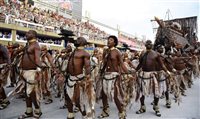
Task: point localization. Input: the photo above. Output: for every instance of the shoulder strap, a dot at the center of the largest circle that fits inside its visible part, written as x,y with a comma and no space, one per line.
70,57
105,63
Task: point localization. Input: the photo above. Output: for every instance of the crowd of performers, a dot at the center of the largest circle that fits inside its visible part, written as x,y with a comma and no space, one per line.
83,80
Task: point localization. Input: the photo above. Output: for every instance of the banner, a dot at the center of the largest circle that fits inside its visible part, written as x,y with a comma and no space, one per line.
124,39
66,5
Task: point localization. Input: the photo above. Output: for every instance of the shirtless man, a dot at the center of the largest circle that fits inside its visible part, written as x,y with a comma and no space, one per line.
4,61
79,86
12,71
47,62
147,76
61,63
163,78
94,64
180,66
113,66
30,66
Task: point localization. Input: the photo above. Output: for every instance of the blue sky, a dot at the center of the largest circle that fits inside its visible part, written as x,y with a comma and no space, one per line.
133,16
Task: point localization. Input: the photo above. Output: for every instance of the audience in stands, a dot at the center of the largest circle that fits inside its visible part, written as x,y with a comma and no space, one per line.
41,40
6,35
51,21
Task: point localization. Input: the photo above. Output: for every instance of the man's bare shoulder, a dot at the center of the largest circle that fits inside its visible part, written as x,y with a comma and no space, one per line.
117,51
82,53
86,54
38,46
35,46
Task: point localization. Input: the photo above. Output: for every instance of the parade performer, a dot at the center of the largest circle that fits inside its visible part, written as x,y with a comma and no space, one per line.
30,66
4,62
147,77
47,64
79,85
111,86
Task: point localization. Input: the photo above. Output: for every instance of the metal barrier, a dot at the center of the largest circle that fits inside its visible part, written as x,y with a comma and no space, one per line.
34,25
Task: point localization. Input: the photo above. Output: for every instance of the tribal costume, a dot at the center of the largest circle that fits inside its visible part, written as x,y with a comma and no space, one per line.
163,81
3,81
4,69
148,83
46,79
32,93
81,92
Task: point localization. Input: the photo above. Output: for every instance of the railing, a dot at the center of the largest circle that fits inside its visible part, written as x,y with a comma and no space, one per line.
47,44
92,37
6,39
34,25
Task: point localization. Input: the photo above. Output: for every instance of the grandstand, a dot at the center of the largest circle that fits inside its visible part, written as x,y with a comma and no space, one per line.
16,18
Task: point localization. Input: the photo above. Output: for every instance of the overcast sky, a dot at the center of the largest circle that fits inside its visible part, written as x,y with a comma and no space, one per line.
133,16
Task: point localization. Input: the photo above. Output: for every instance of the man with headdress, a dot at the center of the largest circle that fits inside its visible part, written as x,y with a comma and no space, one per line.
79,86
4,62
147,77
30,67
111,70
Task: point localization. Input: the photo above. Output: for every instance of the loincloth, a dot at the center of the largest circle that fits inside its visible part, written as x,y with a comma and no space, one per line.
30,79
148,83
112,84
163,82
78,88
4,73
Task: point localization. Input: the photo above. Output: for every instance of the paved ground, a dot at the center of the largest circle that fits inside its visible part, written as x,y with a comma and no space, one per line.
188,109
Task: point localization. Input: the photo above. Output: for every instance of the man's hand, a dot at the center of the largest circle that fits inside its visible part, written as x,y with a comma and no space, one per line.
38,69
168,72
174,70
170,75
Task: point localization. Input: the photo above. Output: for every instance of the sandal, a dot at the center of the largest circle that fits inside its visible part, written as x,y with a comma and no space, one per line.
37,115
152,103
49,101
26,115
156,109
122,115
168,104
63,107
158,113
183,94
4,105
76,109
163,96
104,113
70,116
141,110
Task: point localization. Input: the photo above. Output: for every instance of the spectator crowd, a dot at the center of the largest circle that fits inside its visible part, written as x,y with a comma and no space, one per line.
16,12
